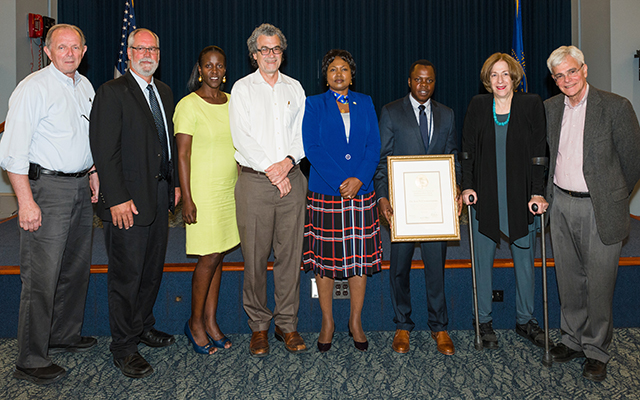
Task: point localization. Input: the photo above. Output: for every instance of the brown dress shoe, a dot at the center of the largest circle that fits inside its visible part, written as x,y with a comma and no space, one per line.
445,345
292,340
259,345
401,341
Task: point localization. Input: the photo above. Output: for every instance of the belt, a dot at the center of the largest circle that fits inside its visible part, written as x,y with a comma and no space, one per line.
253,171
580,195
40,170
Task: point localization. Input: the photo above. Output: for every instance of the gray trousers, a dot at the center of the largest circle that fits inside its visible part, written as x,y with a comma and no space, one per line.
55,264
586,270
522,252
266,221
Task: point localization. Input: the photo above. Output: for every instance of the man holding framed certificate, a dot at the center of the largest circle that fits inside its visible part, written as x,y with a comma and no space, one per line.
410,126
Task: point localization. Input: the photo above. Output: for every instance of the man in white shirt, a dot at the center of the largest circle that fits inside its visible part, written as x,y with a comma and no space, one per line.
265,113
594,141
45,151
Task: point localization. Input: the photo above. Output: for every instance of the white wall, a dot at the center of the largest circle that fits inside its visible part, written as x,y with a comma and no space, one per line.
625,80
607,33
15,64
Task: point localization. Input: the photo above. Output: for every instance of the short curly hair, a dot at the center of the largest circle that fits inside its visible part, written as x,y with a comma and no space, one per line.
515,70
331,56
266,30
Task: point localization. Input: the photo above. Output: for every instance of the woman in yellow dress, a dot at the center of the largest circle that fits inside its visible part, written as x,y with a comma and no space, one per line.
208,175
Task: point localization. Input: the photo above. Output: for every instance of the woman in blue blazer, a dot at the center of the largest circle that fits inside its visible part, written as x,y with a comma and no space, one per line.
342,236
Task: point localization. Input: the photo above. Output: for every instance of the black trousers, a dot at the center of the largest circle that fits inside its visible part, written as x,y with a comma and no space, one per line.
136,261
434,255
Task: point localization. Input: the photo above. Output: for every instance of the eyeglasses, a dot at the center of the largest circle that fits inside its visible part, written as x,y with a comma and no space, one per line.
141,49
570,74
266,50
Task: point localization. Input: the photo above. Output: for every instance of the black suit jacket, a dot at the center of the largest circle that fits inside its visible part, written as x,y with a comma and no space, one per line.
400,136
126,149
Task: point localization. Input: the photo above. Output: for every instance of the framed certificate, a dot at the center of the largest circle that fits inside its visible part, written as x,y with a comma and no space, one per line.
422,191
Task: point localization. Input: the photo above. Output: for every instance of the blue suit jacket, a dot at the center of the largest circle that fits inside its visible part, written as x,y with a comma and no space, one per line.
325,144
400,135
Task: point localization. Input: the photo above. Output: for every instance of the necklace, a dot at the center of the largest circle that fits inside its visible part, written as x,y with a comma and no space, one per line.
495,118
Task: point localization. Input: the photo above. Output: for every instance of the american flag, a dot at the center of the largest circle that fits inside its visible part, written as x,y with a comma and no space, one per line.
517,48
128,25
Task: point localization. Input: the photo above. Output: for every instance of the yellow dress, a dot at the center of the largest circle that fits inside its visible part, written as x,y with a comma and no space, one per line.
213,174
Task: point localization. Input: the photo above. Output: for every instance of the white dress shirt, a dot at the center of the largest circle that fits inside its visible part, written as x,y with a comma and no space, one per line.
427,110
143,86
266,122
48,123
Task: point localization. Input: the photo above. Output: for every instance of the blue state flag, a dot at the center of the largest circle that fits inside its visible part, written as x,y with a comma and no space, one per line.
128,25
517,48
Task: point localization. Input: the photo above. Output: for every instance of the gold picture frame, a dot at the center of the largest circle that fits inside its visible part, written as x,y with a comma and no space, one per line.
422,191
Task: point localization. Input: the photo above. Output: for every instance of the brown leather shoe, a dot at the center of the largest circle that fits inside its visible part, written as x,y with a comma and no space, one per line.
444,342
259,345
292,340
401,341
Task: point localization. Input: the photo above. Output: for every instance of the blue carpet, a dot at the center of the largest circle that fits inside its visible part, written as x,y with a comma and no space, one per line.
512,372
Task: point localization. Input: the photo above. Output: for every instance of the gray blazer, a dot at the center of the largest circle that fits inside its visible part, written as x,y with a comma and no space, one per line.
400,136
611,157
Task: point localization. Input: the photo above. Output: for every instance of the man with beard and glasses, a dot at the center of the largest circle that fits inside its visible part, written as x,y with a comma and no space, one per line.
133,147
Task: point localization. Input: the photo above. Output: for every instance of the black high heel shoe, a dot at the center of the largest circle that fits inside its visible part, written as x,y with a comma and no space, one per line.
362,346
324,347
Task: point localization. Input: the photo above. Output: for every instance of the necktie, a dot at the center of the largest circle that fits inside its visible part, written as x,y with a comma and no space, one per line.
162,134
424,127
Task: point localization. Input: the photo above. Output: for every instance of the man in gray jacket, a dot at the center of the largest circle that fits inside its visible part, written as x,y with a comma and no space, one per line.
594,142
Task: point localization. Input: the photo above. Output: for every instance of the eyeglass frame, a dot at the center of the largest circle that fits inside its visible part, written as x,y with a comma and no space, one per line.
570,74
143,50
264,50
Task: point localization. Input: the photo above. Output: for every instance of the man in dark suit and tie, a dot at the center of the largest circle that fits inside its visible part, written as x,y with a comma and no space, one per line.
594,142
416,125
133,147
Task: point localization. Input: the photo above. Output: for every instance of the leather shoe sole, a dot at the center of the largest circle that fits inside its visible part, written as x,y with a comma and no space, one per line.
401,341
155,338
444,343
86,343
259,345
42,375
133,366
293,342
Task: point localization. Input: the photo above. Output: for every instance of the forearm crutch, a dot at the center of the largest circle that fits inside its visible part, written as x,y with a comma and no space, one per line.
547,361
477,342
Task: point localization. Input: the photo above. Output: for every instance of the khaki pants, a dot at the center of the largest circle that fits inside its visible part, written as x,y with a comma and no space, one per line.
266,221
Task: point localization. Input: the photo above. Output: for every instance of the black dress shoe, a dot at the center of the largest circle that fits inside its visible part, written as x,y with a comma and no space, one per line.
133,366
155,338
562,354
594,370
488,335
532,332
85,343
40,376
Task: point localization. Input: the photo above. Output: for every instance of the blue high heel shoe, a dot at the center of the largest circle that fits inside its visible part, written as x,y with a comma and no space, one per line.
219,343
198,349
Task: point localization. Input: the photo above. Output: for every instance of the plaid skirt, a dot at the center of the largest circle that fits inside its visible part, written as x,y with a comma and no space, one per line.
341,236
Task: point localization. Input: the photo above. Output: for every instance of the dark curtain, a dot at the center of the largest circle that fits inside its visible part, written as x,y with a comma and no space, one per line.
384,36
